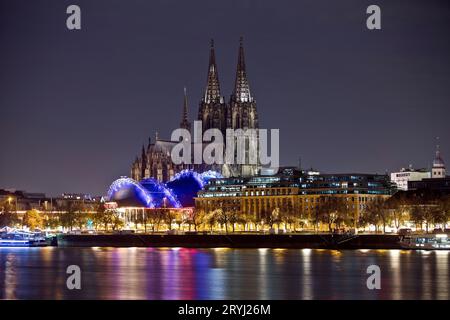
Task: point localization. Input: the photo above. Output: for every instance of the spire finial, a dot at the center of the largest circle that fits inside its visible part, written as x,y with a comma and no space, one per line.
241,41
212,43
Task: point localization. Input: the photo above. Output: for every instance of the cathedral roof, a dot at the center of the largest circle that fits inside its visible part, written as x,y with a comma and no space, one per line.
162,146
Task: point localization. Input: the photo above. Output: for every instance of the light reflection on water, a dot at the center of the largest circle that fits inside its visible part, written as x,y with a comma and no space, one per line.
221,273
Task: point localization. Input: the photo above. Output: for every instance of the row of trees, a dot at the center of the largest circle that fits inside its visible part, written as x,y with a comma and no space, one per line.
8,214
74,215
397,210
331,212
338,212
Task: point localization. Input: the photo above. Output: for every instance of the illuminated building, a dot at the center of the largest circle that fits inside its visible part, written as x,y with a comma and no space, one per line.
438,181
239,113
150,193
138,201
410,179
292,191
402,177
436,184
438,169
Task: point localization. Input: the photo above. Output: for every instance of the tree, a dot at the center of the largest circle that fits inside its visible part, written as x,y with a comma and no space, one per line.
68,217
398,212
333,210
250,217
376,213
439,215
428,214
155,218
313,215
211,218
169,217
196,218
446,208
116,221
8,217
287,215
81,218
222,218
51,221
261,219
272,217
416,215
100,216
233,217
33,219
398,205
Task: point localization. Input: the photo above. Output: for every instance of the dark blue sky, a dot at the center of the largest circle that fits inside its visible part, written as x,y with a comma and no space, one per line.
76,107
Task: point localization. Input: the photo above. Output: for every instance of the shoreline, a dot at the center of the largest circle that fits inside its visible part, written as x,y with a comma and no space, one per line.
287,241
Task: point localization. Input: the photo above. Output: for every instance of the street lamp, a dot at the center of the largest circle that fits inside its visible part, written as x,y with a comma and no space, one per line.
10,198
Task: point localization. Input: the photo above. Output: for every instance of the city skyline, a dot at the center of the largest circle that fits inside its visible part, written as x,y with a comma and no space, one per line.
85,104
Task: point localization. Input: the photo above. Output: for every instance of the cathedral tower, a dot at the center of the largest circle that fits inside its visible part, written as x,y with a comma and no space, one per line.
212,107
242,104
438,170
242,114
185,124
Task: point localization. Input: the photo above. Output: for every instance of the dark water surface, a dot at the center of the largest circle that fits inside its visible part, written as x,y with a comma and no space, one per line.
179,273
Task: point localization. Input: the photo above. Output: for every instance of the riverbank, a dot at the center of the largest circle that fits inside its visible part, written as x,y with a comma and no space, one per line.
297,241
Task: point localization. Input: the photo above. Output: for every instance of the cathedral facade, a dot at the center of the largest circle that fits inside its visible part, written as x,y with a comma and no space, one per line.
214,113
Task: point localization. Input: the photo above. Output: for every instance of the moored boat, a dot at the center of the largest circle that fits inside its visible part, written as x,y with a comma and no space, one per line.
426,242
19,238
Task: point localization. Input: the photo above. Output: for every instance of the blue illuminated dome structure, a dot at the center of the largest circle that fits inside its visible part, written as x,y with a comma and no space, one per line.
161,196
187,183
150,193
129,193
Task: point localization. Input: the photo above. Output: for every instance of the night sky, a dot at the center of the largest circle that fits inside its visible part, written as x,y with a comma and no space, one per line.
76,106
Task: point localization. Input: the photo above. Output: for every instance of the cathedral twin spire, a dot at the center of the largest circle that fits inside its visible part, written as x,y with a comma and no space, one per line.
241,91
214,112
212,92
240,112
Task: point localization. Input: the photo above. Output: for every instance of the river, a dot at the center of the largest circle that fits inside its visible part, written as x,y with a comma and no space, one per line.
180,273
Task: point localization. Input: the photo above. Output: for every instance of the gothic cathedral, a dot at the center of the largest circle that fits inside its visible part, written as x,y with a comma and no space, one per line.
239,113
